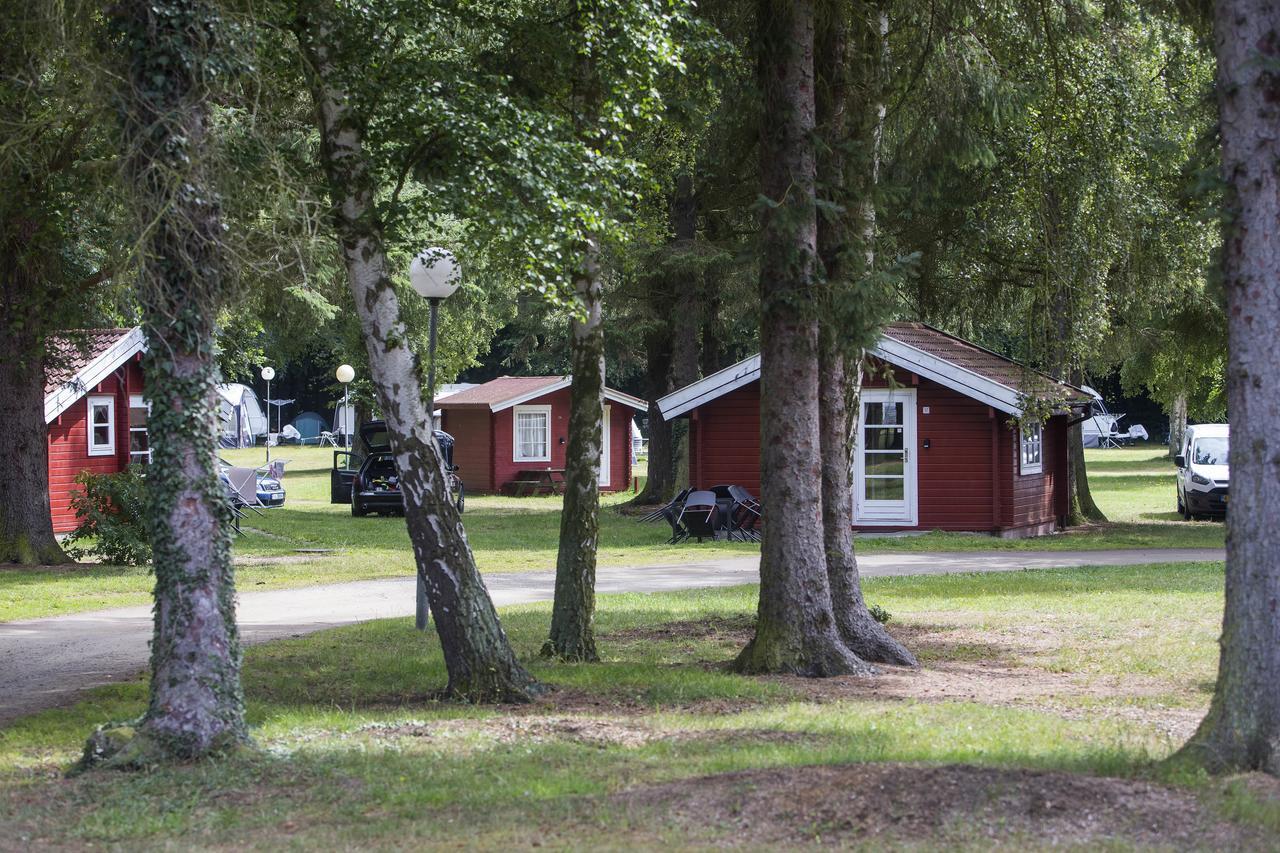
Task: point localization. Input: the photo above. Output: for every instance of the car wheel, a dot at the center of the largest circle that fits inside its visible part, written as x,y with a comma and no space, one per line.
1181,509
461,503
358,509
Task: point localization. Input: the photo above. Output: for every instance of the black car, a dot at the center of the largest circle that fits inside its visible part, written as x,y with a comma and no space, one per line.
369,480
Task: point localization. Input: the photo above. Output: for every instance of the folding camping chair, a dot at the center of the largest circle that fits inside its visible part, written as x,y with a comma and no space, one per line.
329,437
700,515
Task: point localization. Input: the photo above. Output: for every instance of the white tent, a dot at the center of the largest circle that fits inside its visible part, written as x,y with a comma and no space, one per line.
241,415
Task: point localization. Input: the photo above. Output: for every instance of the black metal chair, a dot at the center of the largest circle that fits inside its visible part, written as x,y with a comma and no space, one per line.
747,515
699,516
674,504
671,512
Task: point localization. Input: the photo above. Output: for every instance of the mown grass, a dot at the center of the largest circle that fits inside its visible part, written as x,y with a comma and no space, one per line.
1134,487
357,751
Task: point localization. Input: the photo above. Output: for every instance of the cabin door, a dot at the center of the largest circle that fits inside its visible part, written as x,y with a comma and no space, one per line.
604,450
884,463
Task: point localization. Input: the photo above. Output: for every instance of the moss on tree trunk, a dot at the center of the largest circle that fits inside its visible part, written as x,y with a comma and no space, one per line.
1242,729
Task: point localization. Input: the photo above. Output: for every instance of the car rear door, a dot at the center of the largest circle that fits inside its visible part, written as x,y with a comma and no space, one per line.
345,466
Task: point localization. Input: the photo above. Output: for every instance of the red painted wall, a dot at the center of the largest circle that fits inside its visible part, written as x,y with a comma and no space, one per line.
497,443
955,483
69,443
470,431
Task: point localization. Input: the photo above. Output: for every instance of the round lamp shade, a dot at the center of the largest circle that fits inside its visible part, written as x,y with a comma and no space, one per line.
345,373
435,273
268,373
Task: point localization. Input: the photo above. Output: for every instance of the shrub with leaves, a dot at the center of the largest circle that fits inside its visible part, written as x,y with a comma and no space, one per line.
112,513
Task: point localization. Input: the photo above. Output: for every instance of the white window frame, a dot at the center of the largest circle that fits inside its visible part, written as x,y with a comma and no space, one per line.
516,411
1025,443
108,449
137,401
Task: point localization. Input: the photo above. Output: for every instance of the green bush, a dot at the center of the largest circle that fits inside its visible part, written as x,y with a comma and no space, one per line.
112,513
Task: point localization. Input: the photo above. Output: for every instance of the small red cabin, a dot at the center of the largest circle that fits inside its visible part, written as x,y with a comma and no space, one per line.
942,444
94,411
512,426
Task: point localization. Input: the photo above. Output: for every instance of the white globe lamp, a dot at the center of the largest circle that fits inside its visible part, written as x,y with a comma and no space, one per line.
435,274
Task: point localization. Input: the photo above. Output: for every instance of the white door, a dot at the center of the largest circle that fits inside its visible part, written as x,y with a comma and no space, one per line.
884,464
604,450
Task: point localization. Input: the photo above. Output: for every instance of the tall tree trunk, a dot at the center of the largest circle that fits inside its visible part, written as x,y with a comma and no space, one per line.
685,316
1080,504
659,486
1177,424
481,664
196,705
795,628
572,635
847,256
573,610
26,527
1242,729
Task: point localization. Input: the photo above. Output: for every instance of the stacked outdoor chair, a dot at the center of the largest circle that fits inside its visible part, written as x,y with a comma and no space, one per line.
700,515
674,504
746,515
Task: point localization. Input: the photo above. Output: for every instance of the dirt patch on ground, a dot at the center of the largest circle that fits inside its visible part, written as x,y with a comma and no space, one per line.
285,559
738,628
955,805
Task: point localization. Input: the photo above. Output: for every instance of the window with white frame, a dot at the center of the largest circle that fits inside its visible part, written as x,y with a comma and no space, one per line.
1032,449
532,434
102,426
139,441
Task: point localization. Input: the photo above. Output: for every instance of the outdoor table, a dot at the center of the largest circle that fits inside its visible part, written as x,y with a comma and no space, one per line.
538,478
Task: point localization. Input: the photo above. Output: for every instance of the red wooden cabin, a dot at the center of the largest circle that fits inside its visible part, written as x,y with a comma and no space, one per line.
516,424
941,444
94,411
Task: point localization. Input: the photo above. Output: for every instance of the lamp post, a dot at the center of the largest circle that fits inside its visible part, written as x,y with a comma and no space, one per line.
434,275
268,373
344,374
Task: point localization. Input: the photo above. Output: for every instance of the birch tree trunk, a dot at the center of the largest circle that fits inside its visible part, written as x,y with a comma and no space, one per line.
796,631
1242,729
847,254
572,635
481,664
196,706
573,611
1177,424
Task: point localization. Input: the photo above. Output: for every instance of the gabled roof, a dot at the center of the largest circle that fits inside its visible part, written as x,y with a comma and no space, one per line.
507,391
83,358
953,362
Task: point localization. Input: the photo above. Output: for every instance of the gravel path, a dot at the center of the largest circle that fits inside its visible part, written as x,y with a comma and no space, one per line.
46,662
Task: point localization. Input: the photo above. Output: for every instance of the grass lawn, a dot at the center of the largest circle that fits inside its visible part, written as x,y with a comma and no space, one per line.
1134,487
1033,686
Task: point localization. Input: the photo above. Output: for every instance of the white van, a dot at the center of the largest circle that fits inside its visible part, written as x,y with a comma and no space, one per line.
1202,470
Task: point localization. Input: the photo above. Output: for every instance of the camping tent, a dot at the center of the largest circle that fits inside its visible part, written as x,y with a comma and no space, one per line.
241,416
309,425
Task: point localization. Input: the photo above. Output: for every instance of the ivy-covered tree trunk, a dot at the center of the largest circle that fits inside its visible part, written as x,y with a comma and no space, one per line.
572,634
796,631
26,527
847,173
1242,729
481,664
174,52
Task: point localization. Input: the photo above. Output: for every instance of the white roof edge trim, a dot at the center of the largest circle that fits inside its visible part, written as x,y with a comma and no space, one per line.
626,400
529,395
609,394
64,397
949,374
710,387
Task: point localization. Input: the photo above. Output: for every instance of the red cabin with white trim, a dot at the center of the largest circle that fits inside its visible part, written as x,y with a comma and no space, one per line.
941,444
521,423
94,412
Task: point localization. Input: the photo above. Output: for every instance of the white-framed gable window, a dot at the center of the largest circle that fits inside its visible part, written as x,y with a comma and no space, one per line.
102,425
1032,455
532,434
